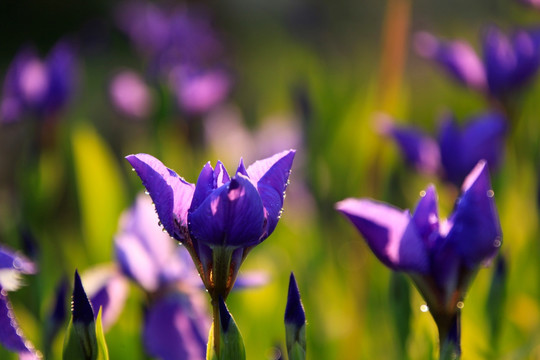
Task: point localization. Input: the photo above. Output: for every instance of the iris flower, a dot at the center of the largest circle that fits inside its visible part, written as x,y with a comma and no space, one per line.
509,62
456,150
41,87
440,255
220,218
12,265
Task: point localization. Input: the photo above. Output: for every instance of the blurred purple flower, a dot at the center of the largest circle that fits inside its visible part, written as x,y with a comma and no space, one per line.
531,3
199,90
36,86
220,216
508,63
169,35
12,265
130,95
176,321
441,255
182,47
456,151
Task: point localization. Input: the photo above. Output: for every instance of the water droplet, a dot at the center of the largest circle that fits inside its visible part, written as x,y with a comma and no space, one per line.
17,264
497,242
460,305
490,193
132,169
147,193
422,193
424,308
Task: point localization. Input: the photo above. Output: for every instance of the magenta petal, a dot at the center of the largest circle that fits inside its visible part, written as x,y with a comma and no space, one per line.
171,194
232,215
476,233
271,176
389,232
176,327
10,333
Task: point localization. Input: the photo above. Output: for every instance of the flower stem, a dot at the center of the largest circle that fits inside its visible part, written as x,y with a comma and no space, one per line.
450,336
216,325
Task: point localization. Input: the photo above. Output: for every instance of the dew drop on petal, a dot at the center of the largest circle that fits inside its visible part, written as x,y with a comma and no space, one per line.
460,305
132,169
490,193
424,308
146,192
422,193
497,242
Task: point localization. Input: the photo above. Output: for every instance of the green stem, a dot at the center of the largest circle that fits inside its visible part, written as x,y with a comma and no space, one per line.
449,335
216,324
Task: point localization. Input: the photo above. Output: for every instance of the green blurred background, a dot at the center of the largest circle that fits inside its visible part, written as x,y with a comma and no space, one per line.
79,184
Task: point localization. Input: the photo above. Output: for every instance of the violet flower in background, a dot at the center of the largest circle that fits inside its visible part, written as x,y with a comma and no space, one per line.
531,3
441,255
456,150
130,95
509,62
176,321
12,266
182,48
199,90
221,218
36,86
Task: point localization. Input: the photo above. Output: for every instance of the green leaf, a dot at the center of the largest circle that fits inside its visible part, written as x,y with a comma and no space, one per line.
231,344
100,188
103,351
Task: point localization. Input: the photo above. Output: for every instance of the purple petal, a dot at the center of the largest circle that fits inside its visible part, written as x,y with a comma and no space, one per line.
271,176
418,149
108,289
199,91
176,327
528,55
171,194
509,62
130,95
221,176
233,215
204,187
251,279
10,259
482,138
10,333
457,58
476,233
426,217
450,143
294,311
61,70
389,232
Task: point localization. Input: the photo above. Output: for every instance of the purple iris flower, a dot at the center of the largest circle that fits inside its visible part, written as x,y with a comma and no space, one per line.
36,86
509,62
220,218
457,150
12,265
176,320
441,255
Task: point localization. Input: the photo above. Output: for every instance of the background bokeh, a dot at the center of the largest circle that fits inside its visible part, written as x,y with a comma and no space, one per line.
306,74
